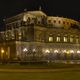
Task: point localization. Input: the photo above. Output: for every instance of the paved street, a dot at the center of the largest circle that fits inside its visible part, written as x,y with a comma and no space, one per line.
39,70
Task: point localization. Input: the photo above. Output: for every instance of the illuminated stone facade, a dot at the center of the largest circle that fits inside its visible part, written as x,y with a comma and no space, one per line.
32,35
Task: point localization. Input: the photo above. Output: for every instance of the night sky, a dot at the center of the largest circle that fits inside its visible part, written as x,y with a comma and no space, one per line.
65,8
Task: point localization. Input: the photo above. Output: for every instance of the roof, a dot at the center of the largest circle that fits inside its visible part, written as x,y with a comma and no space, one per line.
36,13
63,19
63,22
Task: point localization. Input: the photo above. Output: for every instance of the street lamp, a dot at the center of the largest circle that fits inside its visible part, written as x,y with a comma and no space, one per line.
25,50
2,53
47,52
78,51
72,54
55,51
57,54
71,51
34,52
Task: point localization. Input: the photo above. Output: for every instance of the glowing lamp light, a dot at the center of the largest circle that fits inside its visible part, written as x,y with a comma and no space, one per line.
25,50
2,51
68,52
47,51
71,51
64,51
78,51
55,51
34,50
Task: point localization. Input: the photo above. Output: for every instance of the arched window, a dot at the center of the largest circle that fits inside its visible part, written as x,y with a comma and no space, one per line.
77,39
9,26
67,23
28,20
58,38
63,22
65,38
49,21
50,39
71,38
54,21
59,22
71,24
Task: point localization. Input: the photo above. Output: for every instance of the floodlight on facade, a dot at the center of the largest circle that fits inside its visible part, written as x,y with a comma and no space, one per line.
71,51
34,50
64,51
25,50
55,51
78,51
2,51
47,51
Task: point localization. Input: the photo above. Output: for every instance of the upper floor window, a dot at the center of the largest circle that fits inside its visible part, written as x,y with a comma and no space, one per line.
71,38
63,22
12,34
58,38
67,23
50,39
71,24
65,38
77,39
14,25
54,21
8,35
59,22
49,21
28,20
39,19
39,22
19,37
32,20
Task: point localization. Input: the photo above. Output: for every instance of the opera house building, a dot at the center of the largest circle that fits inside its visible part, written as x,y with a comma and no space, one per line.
35,36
